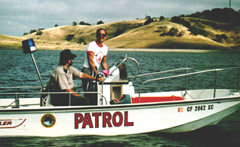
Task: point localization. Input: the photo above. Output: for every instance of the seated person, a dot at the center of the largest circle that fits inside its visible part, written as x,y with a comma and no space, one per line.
61,80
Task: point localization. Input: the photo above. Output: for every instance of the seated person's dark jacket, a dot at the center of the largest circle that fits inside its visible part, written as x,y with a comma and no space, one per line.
60,80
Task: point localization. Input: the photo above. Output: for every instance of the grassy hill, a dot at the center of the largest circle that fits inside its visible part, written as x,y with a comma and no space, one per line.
164,34
10,42
57,38
149,36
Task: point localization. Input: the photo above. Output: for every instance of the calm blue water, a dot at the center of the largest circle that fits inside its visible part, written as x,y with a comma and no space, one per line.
17,70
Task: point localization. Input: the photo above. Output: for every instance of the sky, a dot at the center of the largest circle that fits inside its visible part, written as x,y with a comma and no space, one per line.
20,16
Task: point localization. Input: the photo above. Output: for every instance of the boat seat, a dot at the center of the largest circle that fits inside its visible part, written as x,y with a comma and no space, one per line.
157,99
125,99
45,98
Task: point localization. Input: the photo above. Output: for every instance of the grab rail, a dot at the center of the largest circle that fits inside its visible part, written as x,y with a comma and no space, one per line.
17,103
193,73
18,87
124,60
17,95
154,73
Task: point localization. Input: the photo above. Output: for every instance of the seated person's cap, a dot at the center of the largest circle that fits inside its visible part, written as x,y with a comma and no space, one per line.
67,54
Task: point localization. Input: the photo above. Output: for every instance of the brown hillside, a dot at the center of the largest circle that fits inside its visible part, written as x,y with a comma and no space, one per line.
10,42
150,37
130,34
55,38
232,31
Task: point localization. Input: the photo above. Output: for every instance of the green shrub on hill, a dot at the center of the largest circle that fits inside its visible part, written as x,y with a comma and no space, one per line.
25,33
84,23
161,18
121,28
176,19
196,31
82,40
162,29
32,31
39,32
74,23
150,20
173,32
69,37
100,22
221,37
180,21
180,34
119,31
226,15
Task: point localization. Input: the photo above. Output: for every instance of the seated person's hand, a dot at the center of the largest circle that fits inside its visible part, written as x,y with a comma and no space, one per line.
101,79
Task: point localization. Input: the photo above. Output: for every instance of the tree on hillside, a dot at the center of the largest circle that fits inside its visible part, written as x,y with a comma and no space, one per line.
176,19
173,32
220,38
81,23
186,23
82,40
161,18
148,17
87,24
25,33
69,37
56,25
119,31
84,23
100,22
195,31
226,15
74,23
181,21
148,21
32,31
39,32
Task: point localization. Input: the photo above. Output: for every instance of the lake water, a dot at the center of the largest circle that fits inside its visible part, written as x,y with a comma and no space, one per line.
17,70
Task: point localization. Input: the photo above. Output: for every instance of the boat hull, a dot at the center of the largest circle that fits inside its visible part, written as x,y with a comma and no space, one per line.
170,117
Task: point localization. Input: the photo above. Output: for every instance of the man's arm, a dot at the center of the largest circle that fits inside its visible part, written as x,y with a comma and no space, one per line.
91,62
86,76
104,62
83,76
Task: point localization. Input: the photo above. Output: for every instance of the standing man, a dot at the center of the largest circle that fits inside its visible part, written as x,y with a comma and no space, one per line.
61,80
96,54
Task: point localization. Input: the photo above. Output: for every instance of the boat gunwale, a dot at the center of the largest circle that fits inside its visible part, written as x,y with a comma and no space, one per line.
121,107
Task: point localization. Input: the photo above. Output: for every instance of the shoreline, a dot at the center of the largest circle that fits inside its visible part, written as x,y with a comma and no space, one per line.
144,50
164,50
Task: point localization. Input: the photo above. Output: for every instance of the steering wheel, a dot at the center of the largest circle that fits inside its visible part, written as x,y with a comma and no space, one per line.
99,75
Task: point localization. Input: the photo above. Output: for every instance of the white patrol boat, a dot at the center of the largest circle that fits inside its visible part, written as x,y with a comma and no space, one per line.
120,110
